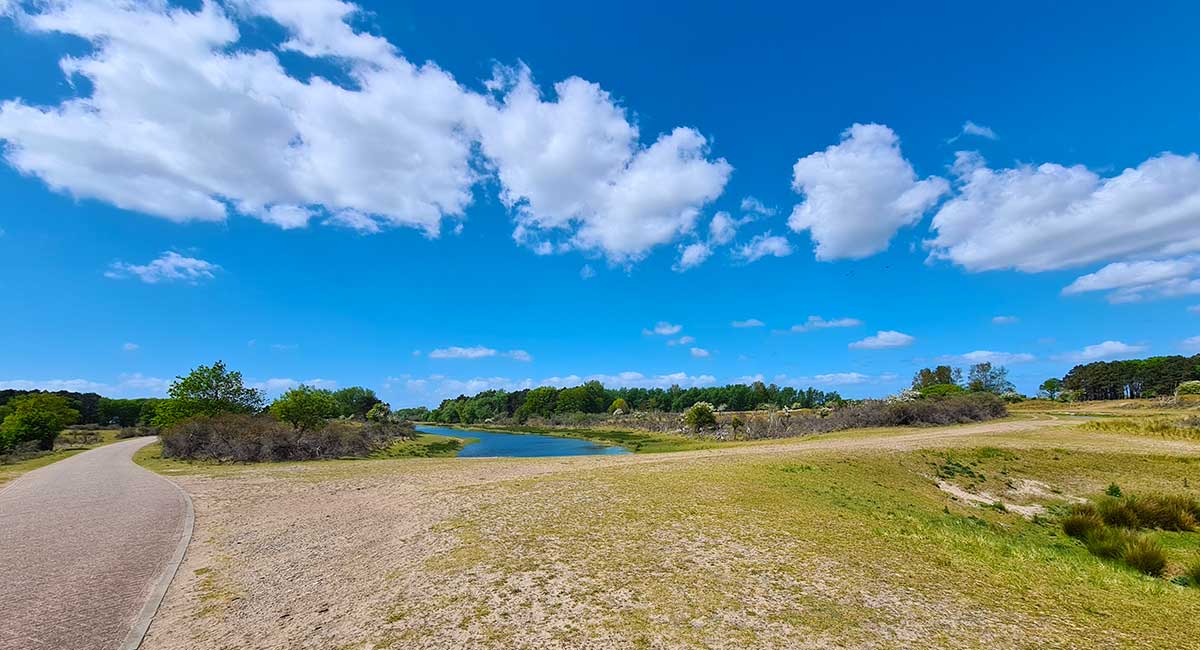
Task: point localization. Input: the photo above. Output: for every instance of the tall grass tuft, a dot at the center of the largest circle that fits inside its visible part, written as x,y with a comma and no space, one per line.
1145,554
1166,512
1108,543
1082,522
1193,573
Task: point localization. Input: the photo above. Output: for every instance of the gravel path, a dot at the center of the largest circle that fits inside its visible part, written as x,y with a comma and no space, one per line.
85,544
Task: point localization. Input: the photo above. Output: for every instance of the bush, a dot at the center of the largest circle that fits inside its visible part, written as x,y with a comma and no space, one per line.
700,416
35,419
256,438
1083,522
1113,490
1145,554
1166,512
1188,388
1108,543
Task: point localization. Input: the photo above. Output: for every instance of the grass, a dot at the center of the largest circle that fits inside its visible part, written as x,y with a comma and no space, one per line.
426,445
763,551
9,471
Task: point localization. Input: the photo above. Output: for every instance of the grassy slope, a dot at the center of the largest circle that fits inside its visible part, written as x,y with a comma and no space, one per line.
828,548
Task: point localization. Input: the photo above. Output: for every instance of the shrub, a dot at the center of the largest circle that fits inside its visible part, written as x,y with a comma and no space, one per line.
35,419
1108,543
700,416
1145,554
618,406
1188,388
1167,512
256,438
1113,490
1082,523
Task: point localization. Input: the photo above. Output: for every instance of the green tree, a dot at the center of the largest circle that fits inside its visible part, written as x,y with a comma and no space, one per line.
984,378
305,407
926,377
700,416
38,417
207,390
1051,388
355,401
941,390
618,404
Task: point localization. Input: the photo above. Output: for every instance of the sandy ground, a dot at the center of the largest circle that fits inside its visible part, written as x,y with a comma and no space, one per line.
304,557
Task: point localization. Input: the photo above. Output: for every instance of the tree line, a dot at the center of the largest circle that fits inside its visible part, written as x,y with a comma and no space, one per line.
1129,379
594,397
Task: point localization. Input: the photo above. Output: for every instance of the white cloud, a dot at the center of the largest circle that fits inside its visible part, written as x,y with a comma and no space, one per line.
477,352
824,379
1101,351
277,385
456,352
1195,309
818,323
722,229
127,385
883,339
130,347
700,353
1191,344
971,128
988,356
573,169
753,206
1005,320
168,267
434,388
859,192
683,340
1132,281
1054,217
763,245
587,272
663,328
692,255
182,120
752,322
519,355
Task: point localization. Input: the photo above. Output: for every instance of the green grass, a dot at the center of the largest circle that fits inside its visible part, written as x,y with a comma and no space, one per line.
426,445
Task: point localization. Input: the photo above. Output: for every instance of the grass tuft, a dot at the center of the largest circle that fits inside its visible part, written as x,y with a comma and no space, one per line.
1145,554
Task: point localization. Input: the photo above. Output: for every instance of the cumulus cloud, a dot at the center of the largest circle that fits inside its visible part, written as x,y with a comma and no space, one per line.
477,352
859,192
818,323
573,169
722,228
764,245
180,119
1047,217
663,328
1133,281
168,267
1005,320
692,255
126,385
883,339
752,322
700,353
1101,352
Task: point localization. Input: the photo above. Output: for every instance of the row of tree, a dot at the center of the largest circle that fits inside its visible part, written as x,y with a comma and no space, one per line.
593,397
945,380
1130,379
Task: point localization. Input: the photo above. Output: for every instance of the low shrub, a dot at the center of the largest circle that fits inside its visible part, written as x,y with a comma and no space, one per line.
1108,543
1166,512
1145,554
256,438
1082,522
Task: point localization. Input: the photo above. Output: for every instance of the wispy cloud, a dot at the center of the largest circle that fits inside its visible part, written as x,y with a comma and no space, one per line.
818,323
989,356
751,322
700,353
130,347
663,328
1005,320
477,352
168,267
1104,351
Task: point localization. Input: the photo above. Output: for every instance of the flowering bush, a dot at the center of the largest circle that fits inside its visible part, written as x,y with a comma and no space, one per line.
700,416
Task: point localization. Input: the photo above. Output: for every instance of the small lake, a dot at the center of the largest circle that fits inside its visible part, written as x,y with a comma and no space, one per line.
521,445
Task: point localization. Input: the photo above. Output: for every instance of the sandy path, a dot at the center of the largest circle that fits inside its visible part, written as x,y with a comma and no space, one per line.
302,557
83,543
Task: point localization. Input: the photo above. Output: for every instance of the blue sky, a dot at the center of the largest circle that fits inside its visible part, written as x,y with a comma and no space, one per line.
428,199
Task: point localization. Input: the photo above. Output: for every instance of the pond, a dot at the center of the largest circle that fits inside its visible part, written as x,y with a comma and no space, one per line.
521,445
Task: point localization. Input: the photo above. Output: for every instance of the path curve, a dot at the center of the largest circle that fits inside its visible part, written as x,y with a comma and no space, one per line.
88,546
